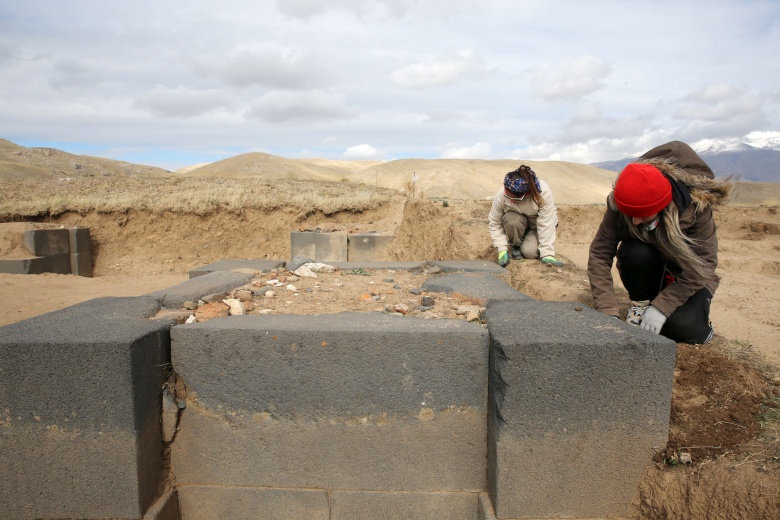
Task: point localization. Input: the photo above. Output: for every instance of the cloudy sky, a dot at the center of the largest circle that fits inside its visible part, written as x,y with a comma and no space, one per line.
171,83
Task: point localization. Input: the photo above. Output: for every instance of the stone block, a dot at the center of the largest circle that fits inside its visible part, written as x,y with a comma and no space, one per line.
80,412
57,264
352,401
238,266
322,247
367,246
330,247
349,505
79,240
195,288
302,244
81,264
480,285
44,242
579,402
240,503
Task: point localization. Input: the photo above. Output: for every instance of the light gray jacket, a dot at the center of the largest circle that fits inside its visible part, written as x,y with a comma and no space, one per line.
544,219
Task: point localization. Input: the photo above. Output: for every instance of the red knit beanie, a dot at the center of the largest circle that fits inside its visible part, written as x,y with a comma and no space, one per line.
642,190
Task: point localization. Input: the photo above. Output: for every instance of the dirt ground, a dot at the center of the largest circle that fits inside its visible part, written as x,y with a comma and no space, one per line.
723,457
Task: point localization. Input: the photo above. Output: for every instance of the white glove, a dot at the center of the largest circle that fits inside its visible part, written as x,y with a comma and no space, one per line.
653,320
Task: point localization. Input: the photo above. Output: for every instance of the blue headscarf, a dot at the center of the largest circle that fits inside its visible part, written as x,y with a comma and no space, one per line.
521,185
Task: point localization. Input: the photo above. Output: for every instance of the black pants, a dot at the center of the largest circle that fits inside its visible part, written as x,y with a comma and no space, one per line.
642,270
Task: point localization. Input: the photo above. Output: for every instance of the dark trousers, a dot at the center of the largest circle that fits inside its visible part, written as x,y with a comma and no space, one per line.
643,270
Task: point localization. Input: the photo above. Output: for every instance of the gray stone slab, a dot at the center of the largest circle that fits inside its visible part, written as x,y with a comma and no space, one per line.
302,243
363,247
57,264
484,266
195,288
352,505
79,240
578,403
242,503
351,400
44,242
388,266
81,264
245,266
80,413
480,285
329,247
15,266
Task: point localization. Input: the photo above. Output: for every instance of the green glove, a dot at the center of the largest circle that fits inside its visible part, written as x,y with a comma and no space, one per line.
503,258
551,260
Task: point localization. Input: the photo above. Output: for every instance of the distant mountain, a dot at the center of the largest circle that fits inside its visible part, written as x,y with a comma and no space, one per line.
755,157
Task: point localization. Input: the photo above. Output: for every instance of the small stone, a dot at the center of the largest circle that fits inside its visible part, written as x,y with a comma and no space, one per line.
427,301
685,458
388,280
398,286
291,288
416,290
244,295
270,294
309,289
402,308
265,311
293,278
236,308
191,319
365,297
435,269
190,305
248,306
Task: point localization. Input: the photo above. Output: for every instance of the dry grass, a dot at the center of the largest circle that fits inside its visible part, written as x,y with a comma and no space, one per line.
174,193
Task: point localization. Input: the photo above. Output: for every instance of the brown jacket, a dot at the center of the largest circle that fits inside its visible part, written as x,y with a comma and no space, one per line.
695,196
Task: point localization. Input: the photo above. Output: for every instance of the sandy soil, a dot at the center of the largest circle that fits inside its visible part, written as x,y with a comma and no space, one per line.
725,393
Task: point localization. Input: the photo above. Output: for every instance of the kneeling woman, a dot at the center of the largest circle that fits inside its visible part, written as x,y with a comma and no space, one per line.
659,224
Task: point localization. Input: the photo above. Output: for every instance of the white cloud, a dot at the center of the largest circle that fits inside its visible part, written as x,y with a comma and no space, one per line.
362,151
444,71
720,102
571,78
307,106
180,101
268,66
477,151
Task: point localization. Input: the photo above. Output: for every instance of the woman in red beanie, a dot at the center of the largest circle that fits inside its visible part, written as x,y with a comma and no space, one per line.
659,225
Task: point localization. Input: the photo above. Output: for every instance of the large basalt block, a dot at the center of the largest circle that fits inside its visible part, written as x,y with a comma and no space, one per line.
579,402
238,266
322,247
79,240
44,242
195,288
361,401
363,247
80,413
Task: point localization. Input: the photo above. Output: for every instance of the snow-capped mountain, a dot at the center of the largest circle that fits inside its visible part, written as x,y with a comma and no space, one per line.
754,157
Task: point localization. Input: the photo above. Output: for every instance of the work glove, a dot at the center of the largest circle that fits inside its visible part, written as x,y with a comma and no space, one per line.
503,258
653,320
551,260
